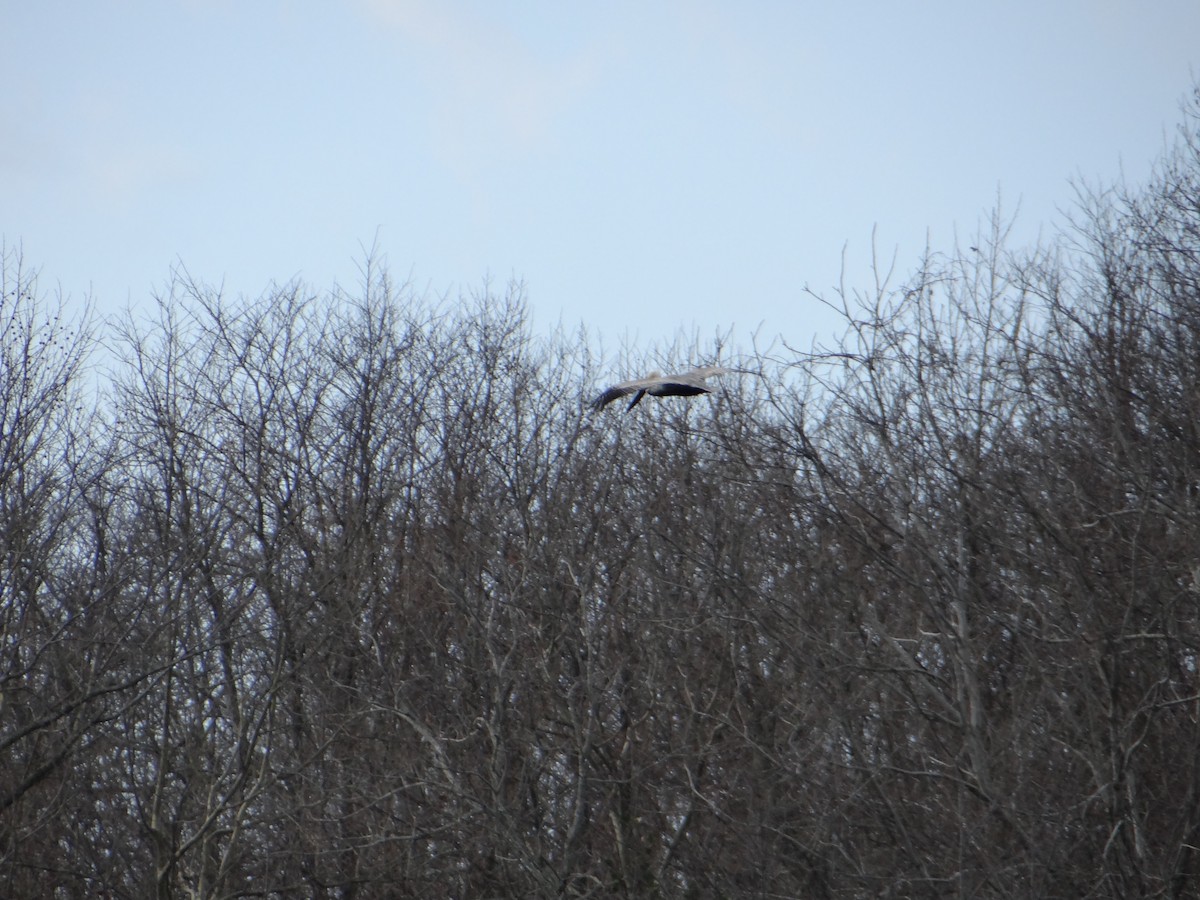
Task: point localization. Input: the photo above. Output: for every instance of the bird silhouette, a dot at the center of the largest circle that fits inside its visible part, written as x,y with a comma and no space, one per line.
687,384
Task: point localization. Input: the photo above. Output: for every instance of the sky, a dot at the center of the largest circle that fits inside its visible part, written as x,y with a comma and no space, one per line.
647,169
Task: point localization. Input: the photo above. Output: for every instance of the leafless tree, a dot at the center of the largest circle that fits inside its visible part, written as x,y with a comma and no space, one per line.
347,594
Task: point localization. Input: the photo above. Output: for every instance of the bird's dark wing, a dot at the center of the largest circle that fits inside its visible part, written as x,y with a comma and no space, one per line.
680,387
637,385
608,396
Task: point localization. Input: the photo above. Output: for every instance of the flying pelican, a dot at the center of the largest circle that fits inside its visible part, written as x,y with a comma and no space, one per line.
689,384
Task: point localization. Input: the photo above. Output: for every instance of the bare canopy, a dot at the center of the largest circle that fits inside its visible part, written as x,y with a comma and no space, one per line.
687,384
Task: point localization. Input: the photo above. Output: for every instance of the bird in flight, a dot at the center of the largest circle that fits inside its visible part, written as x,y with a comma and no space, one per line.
688,384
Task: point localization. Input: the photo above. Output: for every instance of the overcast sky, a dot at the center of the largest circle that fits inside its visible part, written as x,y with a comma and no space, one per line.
644,167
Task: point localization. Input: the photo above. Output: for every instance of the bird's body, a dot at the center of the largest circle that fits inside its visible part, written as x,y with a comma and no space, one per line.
687,384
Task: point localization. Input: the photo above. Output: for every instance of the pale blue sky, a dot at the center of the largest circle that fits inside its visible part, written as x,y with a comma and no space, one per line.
644,167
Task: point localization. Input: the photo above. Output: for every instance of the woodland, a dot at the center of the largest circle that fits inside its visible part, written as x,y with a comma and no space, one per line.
346,593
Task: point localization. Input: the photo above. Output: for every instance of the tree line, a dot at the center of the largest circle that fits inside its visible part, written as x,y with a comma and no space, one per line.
346,594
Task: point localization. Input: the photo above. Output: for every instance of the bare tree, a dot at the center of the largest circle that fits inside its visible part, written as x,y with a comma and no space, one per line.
346,594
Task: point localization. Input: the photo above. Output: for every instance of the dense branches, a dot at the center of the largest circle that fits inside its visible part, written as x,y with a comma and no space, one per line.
346,595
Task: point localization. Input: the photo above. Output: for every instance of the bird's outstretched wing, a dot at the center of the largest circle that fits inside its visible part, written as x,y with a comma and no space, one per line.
705,372
688,384
613,393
